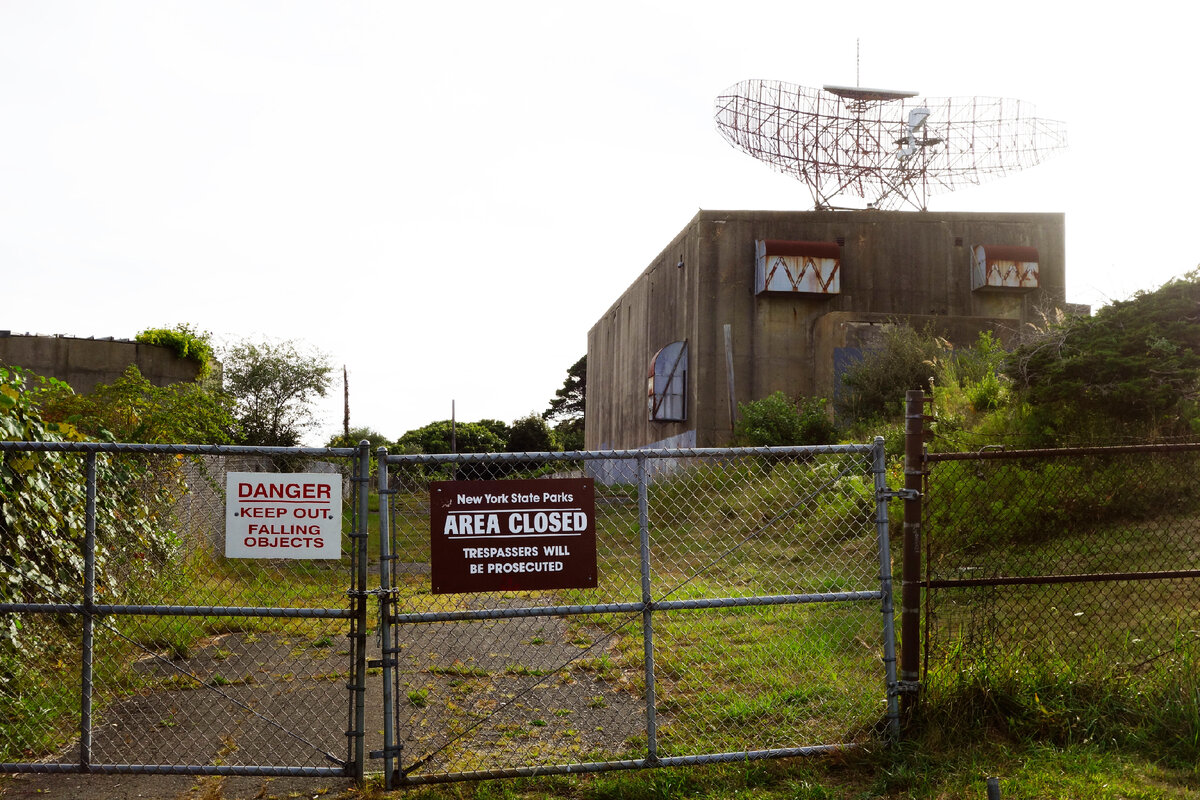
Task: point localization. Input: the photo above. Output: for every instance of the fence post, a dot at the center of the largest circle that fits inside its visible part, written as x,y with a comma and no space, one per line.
363,480
388,649
879,471
89,602
910,585
647,614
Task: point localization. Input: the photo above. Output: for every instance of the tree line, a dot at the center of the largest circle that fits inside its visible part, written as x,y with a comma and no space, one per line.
1132,370
264,393
558,428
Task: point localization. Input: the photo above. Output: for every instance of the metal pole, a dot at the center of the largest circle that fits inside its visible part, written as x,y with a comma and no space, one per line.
647,614
729,377
89,602
360,665
910,590
879,471
385,614
355,630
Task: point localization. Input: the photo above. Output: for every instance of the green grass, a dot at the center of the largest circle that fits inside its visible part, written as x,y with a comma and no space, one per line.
913,771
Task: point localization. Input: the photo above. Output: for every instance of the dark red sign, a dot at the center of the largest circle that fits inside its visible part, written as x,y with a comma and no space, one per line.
514,535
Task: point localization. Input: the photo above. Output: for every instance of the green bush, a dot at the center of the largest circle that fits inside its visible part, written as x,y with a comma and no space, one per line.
775,420
374,437
531,434
1133,368
131,409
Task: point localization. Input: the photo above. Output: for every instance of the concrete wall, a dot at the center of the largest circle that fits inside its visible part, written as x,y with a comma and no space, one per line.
86,363
895,266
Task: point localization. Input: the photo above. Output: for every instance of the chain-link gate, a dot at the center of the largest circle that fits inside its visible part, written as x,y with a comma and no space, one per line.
742,610
735,614
131,644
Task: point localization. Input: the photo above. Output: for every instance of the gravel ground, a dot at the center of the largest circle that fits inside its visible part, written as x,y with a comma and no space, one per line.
471,696
238,699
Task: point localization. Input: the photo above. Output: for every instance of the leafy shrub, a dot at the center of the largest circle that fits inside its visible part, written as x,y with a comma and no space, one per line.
775,420
131,409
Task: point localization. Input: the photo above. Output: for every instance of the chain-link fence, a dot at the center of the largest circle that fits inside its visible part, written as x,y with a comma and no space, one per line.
130,642
733,604
735,611
1083,562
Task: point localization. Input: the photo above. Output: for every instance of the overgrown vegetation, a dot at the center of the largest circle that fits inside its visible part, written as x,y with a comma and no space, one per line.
906,359
1028,667
43,507
776,420
1130,372
1132,369
42,523
186,342
131,409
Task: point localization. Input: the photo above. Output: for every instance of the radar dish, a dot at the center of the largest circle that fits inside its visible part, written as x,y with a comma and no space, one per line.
863,93
883,145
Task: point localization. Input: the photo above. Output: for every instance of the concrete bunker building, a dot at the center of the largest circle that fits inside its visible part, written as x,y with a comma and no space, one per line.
84,364
743,303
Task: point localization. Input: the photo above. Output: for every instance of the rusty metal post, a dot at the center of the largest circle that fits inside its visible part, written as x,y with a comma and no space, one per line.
910,584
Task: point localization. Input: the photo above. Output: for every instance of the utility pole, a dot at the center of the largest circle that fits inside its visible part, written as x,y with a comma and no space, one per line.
346,394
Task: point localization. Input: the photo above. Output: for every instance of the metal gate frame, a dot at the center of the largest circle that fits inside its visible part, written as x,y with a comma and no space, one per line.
91,612
391,623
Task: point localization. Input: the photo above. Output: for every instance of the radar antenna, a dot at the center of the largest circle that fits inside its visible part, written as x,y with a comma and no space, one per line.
883,145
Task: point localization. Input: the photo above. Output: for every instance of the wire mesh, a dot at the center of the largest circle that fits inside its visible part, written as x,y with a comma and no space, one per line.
1083,562
743,658
198,660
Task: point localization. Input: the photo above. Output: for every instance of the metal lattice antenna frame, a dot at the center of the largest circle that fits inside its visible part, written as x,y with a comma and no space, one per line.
852,143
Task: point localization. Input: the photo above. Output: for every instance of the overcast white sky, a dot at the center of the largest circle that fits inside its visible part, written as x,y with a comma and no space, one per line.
445,196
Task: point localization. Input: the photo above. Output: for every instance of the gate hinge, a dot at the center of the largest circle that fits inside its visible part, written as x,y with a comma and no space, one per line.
904,687
903,494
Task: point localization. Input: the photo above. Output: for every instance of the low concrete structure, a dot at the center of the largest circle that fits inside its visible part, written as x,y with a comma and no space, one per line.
86,363
801,295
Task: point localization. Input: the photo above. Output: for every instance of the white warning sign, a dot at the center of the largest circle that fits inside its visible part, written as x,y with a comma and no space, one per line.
283,515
